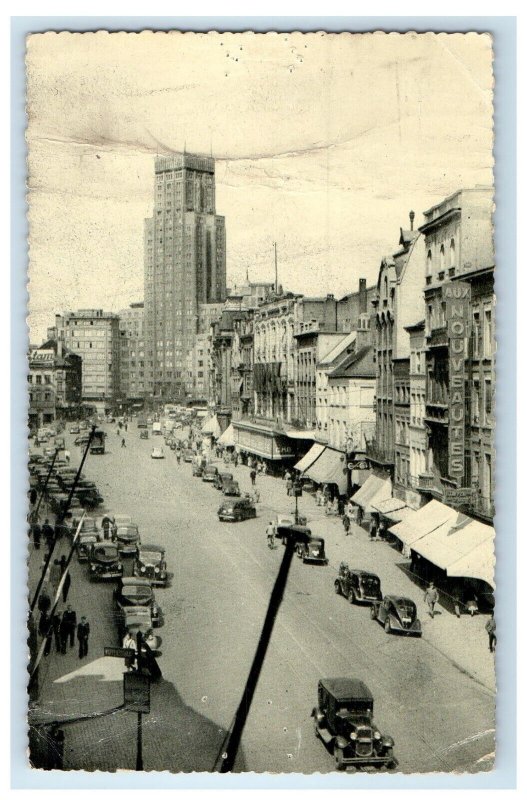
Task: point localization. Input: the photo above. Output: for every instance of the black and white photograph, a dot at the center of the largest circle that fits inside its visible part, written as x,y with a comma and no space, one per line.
261,403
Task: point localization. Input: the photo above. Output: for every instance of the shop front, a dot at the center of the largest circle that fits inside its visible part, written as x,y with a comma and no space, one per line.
253,440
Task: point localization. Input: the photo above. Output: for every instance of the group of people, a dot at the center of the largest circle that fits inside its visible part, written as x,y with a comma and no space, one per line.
61,628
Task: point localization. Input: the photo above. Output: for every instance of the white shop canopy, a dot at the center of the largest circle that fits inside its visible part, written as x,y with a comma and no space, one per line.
227,437
393,509
464,548
211,427
310,457
424,521
330,467
373,491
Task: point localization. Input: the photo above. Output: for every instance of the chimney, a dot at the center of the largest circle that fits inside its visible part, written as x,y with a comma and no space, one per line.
363,337
363,296
412,217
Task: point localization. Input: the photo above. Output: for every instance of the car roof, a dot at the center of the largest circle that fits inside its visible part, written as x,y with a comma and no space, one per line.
362,572
154,547
135,582
396,598
344,689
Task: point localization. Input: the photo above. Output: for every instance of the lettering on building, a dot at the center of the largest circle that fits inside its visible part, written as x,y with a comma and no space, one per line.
456,297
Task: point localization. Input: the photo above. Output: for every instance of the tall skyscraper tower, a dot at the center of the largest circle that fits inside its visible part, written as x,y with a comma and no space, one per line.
185,267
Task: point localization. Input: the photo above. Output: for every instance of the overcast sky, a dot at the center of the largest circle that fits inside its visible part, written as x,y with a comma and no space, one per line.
323,143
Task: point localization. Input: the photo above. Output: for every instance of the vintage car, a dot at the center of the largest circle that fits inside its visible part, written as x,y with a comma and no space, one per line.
231,489
197,469
104,562
135,619
83,438
85,542
397,614
75,429
238,509
89,498
209,474
121,519
311,549
344,722
358,585
188,455
144,434
133,592
88,525
150,564
127,538
157,452
221,478
174,444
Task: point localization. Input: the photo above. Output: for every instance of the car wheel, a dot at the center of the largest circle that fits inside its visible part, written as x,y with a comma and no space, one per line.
387,625
338,588
351,597
339,758
373,611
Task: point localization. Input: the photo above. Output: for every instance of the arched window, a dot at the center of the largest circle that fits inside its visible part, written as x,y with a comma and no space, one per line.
429,263
385,286
442,256
452,253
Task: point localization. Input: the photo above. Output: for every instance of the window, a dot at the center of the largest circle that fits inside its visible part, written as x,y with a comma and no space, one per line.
475,402
487,333
452,253
476,334
429,263
488,401
38,380
442,257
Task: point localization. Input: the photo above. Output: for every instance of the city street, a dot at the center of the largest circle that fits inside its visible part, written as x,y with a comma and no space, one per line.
439,712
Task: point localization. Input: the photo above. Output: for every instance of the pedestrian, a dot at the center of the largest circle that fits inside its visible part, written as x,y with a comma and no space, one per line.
70,618
36,533
64,632
44,600
43,623
289,486
382,529
235,460
287,475
490,627
48,635
264,468
48,533
63,565
83,634
318,497
431,597
55,574
270,532
360,515
129,643
126,426
106,525
66,587
253,476
346,524
67,456
56,619
123,443
178,456
456,599
373,529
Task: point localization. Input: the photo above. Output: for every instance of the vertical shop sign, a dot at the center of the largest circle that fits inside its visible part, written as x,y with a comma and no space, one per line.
456,297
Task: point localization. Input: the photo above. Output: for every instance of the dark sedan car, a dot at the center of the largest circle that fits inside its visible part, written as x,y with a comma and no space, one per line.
237,510
209,474
312,549
131,592
150,564
221,478
397,614
104,562
127,538
231,489
358,585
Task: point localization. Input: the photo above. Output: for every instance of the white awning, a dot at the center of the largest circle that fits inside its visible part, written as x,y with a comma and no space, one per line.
227,437
424,521
294,434
211,427
393,509
373,491
310,457
330,467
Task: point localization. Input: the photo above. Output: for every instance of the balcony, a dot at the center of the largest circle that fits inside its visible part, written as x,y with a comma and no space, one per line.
438,338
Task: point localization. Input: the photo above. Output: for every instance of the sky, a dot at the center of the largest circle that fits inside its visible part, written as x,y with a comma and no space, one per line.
323,144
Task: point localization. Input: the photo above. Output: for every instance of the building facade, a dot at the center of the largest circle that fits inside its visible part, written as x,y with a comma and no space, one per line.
54,383
93,334
133,382
417,430
185,266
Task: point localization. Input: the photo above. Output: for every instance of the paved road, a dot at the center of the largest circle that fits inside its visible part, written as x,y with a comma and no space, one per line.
441,718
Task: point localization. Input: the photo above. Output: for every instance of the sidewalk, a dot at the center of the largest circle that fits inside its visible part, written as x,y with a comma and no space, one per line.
463,641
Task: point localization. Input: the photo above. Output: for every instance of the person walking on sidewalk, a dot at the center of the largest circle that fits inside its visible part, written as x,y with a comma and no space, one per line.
253,476
373,530
55,574
83,634
490,627
346,524
70,619
55,624
431,597
289,485
270,532
48,533
66,587
36,533
123,443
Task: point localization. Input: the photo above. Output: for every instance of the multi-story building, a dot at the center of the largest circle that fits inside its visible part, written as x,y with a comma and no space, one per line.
344,347
185,266
398,303
132,359
459,329
417,430
93,334
401,408
55,383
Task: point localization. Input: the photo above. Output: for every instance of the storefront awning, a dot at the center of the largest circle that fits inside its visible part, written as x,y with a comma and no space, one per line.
211,427
310,457
424,521
293,434
463,547
330,467
393,509
374,490
227,437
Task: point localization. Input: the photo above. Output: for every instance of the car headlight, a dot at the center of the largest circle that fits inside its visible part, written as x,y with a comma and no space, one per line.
376,735
388,741
143,569
92,567
353,735
156,570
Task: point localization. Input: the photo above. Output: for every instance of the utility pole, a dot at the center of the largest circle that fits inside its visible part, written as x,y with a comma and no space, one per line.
139,756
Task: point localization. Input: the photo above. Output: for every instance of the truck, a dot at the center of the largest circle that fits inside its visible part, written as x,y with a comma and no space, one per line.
156,429
141,422
169,425
97,443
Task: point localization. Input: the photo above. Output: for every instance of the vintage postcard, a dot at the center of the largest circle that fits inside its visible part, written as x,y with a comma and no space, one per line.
261,396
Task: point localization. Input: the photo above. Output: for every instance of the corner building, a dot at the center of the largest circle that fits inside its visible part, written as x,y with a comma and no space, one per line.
185,267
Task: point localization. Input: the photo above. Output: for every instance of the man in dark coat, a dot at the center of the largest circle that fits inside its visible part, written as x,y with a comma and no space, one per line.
83,634
66,587
48,532
36,533
64,632
55,624
44,601
70,618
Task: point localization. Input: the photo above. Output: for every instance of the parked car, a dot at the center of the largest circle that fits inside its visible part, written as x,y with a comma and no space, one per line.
311,549
85,543
209,474
150,563
157,452
75,429
135,619
188,455
221,478
231,489
83,438
127,538
344,722
135,591
397,614
104,562
236,510
197,469
358,585
143,434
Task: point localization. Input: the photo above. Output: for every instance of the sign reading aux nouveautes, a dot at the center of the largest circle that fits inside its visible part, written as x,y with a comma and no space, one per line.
456,297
